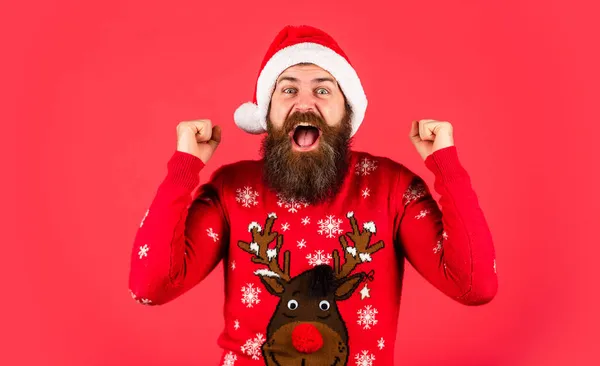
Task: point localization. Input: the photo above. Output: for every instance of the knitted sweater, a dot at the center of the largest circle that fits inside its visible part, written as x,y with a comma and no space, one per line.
313,284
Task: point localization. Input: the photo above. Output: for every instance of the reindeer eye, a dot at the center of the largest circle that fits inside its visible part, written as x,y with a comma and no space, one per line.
324,305
292,304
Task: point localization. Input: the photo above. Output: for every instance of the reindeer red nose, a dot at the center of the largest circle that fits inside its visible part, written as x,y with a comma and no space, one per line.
306,338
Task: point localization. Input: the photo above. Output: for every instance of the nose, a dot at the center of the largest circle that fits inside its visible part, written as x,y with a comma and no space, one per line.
305,102
306,338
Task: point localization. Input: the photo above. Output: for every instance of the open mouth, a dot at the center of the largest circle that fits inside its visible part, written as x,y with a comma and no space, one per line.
305,136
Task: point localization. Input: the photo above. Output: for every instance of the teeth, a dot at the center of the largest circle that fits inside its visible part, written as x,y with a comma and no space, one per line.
304,124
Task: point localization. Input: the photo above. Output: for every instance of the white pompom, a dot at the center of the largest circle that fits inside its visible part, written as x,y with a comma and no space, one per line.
247,118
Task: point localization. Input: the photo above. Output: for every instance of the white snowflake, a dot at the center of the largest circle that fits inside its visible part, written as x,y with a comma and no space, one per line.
236,324
285,227
318,258
306,221
252,346
330,226
144,301
495,266
367,317
212,234
302,244
143,251
292,204
365,166
232,265
414,192
250,295
132,295
381,343
247,196
422,214
144,218
366,192
364,358
438,247
230,359
445,235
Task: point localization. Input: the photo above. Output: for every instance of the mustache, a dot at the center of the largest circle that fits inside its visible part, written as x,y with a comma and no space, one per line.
306,117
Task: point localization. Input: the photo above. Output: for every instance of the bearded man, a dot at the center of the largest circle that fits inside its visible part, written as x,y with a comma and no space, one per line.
314,236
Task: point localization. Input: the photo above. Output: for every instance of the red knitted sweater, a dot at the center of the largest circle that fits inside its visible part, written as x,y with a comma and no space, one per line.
313,284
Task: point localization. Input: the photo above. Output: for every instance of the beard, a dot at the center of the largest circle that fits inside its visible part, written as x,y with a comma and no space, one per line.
308,176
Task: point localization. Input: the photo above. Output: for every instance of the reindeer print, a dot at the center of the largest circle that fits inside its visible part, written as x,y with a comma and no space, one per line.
307,328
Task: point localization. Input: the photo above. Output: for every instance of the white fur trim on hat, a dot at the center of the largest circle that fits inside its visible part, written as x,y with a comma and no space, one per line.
252,117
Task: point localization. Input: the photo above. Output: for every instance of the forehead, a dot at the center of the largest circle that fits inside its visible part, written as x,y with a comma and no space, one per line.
305,72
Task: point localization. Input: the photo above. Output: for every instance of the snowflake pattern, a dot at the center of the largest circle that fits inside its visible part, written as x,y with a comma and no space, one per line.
292,204
232,265
365,167
285,227
330,226
212,234
144,218
366,193
445,235
438,247
494,265
415,191
306,221
252,346
250,295
422,214
364,358
236,324
143,251
381,343
301,244
230,359
247,196
367,317
318,258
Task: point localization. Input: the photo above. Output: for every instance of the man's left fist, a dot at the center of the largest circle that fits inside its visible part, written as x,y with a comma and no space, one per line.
429,135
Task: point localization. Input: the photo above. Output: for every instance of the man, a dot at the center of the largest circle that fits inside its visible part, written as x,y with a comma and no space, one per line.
313,236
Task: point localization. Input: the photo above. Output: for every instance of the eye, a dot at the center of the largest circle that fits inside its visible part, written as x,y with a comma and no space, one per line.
288,90
324,305
292,304
322,91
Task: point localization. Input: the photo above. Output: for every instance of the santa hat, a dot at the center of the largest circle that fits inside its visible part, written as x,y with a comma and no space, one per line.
294,45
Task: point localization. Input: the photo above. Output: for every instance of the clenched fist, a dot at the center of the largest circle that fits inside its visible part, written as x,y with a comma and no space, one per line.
198,138
429,135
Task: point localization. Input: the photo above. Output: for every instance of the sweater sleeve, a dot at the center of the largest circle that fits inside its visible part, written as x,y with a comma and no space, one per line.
181,238
451,246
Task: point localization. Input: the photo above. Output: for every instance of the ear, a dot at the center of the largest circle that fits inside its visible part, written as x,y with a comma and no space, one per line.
275,285
347,285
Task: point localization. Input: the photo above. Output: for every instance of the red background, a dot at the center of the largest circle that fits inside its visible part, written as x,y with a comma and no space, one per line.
92,95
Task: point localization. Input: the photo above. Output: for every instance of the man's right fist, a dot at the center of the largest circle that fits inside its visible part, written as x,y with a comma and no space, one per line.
198,138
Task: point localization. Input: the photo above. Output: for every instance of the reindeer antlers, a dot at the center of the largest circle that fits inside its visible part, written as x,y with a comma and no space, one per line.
360,252
262,254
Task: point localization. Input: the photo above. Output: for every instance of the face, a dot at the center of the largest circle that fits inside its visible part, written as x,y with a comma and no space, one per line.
306,149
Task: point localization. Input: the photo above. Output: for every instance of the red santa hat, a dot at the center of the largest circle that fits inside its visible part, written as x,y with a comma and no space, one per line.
294,45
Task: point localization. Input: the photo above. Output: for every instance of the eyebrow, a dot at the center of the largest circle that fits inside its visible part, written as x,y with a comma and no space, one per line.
295,80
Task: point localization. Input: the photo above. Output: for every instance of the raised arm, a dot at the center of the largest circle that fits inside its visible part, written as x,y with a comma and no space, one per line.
181,238
451,246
